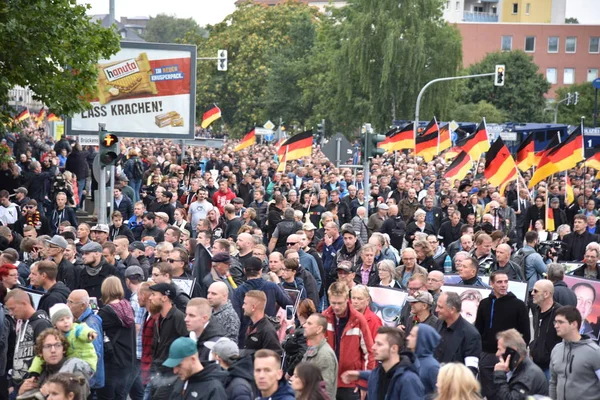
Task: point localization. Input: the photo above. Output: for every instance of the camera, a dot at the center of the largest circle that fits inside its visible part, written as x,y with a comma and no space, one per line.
551,248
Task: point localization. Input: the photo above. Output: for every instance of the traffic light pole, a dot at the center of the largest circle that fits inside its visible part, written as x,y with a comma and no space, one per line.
450,78
367,173
101,187
558,103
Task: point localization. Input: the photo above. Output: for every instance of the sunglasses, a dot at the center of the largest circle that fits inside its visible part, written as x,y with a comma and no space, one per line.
292,243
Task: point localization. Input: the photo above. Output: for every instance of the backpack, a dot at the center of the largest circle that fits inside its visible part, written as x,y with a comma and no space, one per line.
519,259
137,169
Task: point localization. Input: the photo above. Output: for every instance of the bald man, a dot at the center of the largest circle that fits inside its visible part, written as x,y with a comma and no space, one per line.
222,310
394,226
545,336
79,303
245,243
504,264
435,281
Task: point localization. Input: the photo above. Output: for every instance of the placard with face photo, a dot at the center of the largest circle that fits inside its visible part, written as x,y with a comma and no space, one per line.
588,303
470,298
387,303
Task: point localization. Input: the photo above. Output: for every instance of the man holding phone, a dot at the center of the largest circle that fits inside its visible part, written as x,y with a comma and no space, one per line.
515,375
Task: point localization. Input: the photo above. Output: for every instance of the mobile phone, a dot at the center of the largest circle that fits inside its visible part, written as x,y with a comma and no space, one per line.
514,357
289,313
94,303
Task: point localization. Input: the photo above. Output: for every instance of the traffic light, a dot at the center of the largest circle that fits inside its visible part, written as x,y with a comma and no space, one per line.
569,98
109,149
374,151
320,131
222,60
499,75
576,99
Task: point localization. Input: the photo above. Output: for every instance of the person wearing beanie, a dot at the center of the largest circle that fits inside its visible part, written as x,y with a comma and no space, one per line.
80,338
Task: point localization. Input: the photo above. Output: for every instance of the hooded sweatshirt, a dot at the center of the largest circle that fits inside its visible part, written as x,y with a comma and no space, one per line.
119,331
575,369
240,382
284,392
24,348
403,384
427,341
59,293
204,385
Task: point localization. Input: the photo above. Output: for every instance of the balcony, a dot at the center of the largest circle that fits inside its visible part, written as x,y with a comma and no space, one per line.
479,17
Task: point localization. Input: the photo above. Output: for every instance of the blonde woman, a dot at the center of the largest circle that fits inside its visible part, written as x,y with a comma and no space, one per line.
387,274
456,382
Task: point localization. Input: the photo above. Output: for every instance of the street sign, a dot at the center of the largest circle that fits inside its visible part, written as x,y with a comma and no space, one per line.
263,131
596,83
89,140
331,149
269,125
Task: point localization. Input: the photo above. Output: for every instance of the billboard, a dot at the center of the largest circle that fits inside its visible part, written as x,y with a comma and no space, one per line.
145,90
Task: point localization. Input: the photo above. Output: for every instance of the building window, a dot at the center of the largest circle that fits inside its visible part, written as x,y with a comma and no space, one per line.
457,5
595,44
569,76
553,44
571,44
478,9
529,44
506,43
527,8
515,8
592,74
551,75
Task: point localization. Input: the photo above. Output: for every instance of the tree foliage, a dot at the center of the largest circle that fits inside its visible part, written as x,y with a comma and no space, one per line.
52,47
475,112
571,114
521,97
169,29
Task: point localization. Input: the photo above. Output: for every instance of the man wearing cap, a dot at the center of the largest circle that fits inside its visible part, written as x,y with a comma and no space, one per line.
377,219
9,212
96,270
43,275
240,380
33,217
21,198
56,253
221,262
420,310
100,233
276,296
196,381
169,326
222,310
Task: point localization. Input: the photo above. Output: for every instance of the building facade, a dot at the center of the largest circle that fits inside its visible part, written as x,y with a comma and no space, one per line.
534,11
565,53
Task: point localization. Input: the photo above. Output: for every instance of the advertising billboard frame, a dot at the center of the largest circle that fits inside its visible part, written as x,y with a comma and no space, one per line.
113,128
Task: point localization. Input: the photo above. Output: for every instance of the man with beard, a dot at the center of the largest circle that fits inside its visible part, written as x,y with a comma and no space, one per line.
169,326
56,253
95,272
150,229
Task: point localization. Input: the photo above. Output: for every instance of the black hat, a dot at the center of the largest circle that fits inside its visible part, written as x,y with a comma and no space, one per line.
168,195
253,264
166,289
138,246
221,258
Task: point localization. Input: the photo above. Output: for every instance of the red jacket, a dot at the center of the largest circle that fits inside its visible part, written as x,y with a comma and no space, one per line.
373,321
356,344
147,337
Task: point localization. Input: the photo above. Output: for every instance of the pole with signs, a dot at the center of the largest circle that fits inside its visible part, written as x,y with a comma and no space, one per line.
101,183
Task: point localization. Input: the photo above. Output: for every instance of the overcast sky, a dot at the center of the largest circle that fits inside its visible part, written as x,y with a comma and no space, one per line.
213,11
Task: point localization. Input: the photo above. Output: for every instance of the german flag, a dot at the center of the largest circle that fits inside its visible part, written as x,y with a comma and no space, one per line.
569,194
459,168
23,115
426,144
452,153
297,146
210,116
561,158
53,118
549,225
281,166
445,138
526,154
551,145
500,166
41,115
399,139
247,141
593,161
476,144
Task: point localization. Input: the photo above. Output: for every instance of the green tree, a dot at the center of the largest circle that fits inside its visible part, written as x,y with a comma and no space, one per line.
254,35
571,114
388,51
475,112
169,29
521,97
51,47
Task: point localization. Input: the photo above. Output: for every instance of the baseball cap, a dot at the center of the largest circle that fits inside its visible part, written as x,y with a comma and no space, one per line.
225,348
555,200
162,215
134,270
180,348
309,226
21,190
150,243
348,231
166,289
91,247
101,228
421,296
253,264
137,245
345,266
59,241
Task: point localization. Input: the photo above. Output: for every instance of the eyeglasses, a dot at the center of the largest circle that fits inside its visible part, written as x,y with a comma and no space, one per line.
29,207
51,346
171,261
292,243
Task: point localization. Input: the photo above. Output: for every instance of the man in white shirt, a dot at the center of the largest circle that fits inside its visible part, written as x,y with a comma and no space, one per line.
9,212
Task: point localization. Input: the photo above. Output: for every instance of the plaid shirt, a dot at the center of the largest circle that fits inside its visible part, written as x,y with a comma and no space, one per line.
147,337
139,315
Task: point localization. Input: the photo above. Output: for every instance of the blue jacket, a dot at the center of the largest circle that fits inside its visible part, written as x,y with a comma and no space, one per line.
284,392
330,254
95,322
405,385
427,341
535,267
309,263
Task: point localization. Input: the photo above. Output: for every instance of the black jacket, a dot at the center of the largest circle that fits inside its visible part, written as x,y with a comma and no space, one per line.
240,382
274,216
262,335
460,342
59,293
449,233
575,244
123,230
119,332
44,228
527,379
285,228
56,217
564,295
166,330
294,346
395,227
499,314
211,333
77,164
310,284
92,284
544,336
207,384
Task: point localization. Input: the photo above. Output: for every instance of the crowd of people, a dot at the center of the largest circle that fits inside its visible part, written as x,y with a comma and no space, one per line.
218,277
